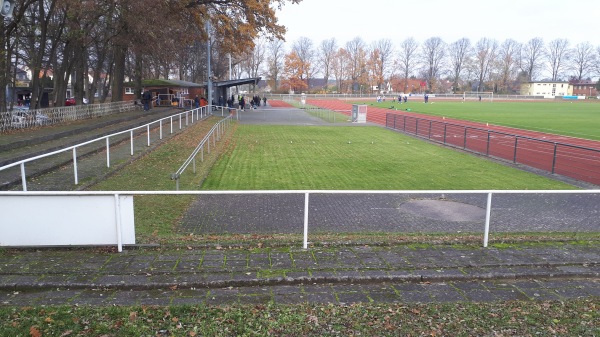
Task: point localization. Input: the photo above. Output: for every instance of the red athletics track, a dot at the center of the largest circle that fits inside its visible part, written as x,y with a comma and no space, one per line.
572,157
274,103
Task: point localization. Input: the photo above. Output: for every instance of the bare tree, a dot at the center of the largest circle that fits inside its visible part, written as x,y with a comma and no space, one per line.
596,67
275,55
485,54
407,58
458,52
356,61
380,60
325,55
341,65
507,62
303,47
558,55
433,52
531,57
583,60
254,60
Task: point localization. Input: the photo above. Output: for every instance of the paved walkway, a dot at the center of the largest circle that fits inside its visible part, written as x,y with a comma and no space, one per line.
342,274
319,275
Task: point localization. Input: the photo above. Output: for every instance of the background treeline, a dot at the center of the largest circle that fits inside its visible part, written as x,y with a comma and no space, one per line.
462,65
97,45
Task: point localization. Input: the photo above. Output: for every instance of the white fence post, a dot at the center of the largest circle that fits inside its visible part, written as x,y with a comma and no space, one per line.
107,152
23,177
131,137
305,241
118,222
488,212
75,166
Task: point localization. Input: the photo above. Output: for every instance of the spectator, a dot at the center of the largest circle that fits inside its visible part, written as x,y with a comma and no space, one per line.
146,99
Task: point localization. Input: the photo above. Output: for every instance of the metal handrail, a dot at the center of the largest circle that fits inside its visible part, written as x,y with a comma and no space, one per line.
215,132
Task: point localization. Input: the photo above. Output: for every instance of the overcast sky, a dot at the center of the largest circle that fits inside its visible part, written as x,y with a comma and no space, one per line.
372,20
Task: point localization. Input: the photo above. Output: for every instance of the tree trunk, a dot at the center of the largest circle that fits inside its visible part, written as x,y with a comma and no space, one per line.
118,73
138,75
4,80
80,73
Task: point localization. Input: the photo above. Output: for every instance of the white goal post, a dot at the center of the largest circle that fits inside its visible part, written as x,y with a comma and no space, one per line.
478,95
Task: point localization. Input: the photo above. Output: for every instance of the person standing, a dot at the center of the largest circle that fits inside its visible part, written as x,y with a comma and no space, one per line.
146,99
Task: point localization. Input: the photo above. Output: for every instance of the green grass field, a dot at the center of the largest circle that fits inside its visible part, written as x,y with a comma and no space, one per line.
575,119
361,158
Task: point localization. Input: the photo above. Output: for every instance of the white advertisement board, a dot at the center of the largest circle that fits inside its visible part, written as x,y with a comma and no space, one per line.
39,220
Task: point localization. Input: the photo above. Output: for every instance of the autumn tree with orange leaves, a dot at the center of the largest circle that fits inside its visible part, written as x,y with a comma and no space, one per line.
109,40
294,73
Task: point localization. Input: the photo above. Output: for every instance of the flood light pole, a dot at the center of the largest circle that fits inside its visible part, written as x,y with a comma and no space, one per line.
209,82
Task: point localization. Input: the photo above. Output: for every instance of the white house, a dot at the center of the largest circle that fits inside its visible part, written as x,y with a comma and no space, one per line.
548,89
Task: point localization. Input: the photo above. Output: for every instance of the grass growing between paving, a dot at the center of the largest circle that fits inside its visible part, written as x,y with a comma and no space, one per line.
570,318
569,118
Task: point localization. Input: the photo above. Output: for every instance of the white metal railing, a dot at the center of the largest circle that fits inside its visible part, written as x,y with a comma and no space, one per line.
188,117
288,97
215,133
22,117
7,217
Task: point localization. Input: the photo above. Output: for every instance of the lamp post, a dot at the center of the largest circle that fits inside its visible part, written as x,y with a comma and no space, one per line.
208,70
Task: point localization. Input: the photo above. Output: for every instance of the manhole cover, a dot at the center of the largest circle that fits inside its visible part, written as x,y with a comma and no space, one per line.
443,210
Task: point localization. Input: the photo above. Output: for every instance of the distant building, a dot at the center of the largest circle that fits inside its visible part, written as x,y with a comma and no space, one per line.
170,91
584,88
547,89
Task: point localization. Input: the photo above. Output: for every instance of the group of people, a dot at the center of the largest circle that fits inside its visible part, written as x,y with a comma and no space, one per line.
255,102
198,101
400,99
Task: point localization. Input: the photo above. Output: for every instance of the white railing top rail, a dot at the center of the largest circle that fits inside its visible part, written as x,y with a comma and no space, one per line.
394,94
190,192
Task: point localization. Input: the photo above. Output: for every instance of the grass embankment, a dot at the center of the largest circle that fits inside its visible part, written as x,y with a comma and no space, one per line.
570,318
568,118
156,215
